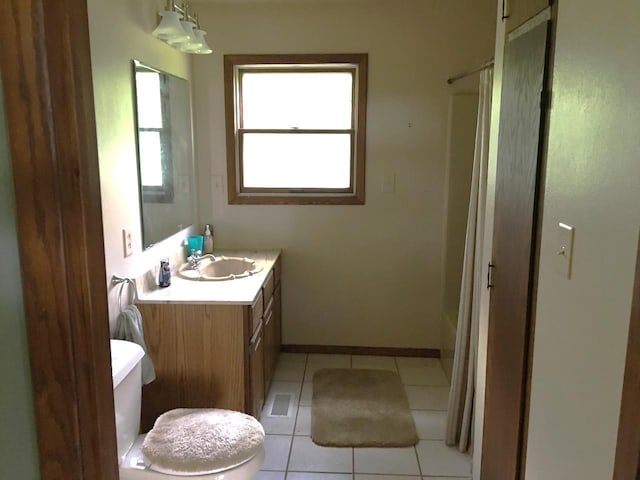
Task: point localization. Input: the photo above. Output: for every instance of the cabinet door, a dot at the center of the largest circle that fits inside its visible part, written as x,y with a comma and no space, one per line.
256,360
277,321
269,344
199,355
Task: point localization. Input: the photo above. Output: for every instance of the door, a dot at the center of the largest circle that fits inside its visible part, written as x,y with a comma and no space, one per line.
256,362
269,336
517,184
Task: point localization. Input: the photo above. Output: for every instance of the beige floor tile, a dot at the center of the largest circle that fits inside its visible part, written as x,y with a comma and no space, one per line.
420,375
282,425
292,357
430,425
360,476
437,459
293,388
428,477
306,456
289,372
306,395
417,362
374,362
271,476
277,452
303,423
278,425
388,461
336,360
427,398
319,476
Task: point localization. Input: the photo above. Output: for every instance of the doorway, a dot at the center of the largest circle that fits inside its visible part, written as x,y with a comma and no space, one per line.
513,268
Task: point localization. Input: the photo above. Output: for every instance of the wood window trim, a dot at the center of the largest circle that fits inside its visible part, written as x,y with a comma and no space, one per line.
355,195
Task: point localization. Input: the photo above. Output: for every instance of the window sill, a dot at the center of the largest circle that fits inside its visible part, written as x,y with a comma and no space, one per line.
244,199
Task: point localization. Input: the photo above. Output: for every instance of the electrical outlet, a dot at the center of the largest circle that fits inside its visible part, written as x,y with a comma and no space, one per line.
127,242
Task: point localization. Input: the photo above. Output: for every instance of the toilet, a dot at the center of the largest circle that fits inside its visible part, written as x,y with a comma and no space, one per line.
127,393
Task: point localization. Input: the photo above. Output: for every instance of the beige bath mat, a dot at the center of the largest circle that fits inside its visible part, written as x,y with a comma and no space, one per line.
360,408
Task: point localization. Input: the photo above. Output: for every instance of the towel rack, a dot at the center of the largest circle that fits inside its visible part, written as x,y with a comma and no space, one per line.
124,281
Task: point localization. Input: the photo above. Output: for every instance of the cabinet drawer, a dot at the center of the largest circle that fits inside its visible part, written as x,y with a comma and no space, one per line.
256,312
267,289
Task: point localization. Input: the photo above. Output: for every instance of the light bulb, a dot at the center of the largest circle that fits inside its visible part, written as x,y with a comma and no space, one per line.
191,43
170,28
204,49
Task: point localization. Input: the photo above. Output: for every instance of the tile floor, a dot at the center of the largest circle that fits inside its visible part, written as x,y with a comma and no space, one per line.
291,455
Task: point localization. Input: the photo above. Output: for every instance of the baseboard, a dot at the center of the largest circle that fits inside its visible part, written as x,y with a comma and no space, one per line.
381,351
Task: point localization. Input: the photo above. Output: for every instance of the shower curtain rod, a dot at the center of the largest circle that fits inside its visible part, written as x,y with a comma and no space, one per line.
466,74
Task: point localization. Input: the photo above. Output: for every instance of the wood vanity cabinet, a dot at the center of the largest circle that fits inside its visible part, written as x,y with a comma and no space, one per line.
212,355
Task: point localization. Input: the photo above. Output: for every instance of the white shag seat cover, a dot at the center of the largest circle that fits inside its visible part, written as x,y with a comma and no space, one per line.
194,441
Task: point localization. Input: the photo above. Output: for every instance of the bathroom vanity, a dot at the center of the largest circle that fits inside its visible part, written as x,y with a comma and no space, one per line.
213,343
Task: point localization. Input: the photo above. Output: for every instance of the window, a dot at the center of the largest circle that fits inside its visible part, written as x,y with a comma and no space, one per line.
296,128
154,135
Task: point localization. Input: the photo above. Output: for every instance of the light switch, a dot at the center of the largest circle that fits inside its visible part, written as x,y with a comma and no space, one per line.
184,184
216,183
564,249
388,183
127,242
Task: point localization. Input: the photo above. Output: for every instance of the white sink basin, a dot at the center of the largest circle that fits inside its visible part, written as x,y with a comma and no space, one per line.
222,268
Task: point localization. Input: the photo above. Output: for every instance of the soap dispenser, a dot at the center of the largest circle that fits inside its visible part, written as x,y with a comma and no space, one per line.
208,239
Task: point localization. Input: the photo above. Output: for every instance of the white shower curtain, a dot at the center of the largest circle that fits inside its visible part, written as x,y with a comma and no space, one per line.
463,377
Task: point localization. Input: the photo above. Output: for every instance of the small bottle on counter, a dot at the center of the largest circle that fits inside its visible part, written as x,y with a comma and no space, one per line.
208,239
164,276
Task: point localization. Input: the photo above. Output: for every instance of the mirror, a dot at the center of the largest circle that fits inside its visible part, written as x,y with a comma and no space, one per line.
165,153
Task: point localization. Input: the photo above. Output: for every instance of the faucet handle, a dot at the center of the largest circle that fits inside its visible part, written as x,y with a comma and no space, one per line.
194,258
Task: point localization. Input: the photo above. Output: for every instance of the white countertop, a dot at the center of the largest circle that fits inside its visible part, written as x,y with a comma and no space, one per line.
241,291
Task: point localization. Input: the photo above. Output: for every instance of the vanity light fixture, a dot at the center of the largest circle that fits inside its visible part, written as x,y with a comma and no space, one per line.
181,29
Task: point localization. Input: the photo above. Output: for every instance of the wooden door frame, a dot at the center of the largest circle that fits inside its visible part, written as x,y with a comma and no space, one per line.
627,462
46,67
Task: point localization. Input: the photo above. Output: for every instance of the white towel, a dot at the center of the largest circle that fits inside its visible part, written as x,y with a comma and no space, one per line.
129,327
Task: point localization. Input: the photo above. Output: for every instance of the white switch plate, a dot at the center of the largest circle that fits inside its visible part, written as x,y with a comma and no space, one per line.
127,242
184,184
216,183
388,183
564,250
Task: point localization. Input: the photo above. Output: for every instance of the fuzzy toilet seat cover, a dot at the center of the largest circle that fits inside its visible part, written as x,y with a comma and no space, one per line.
194,441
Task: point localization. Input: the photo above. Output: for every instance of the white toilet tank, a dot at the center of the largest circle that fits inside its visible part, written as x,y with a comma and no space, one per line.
127,392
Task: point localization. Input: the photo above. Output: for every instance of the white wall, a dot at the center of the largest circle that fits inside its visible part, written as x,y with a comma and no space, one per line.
592,183
352,275
120,31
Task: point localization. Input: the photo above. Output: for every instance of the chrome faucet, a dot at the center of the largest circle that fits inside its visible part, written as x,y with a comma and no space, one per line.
196,258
